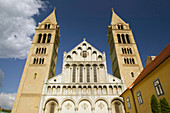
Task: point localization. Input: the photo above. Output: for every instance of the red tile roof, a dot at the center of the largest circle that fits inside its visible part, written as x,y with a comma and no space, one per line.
151,66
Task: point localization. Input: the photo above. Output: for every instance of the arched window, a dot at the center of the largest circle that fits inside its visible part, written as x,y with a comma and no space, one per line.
110,90
36,51
123,50
74,52
88,73
48,26
44,50
81,73
34,62
44,38
127,38
84,44
74,74
89,48
118,38
118,26
42,60
125,60
104,90
39,38
49,38
79,48
132,74
45,26
133,61
123,38
130,50
95,89
130,61
121,26
39,50
95,73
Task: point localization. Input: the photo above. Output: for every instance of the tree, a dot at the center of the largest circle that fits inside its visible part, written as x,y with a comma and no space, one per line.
155,105
165,108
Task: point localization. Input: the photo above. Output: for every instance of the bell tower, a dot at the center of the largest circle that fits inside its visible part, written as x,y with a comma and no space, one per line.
125,59
40,65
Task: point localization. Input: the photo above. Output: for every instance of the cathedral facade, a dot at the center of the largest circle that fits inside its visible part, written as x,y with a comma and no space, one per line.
84,86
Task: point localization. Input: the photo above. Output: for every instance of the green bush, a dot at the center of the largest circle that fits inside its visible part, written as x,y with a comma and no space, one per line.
155,105
165,108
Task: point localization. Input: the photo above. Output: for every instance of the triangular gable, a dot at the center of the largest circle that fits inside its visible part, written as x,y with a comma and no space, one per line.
88,45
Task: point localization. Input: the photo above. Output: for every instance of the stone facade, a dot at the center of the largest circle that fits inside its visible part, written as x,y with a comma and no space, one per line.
84,86
40,65
125,59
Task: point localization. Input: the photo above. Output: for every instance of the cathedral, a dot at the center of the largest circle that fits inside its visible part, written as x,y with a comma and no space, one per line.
84,86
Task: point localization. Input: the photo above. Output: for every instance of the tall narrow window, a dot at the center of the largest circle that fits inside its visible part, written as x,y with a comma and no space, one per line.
128,102
95,73
123,50
123,38
127,38
48,26
139,96
118,26
42,60
52,107
88,73
49,38
34,62
44,50
158,87
39,38
132,74
133,61
118,38
45,26
74,74
125,60
36,50
44,38
81,73
121,26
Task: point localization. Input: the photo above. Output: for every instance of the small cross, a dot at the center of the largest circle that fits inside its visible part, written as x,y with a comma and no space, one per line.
84,39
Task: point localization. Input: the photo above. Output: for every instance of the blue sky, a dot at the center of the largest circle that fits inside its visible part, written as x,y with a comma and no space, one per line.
78,19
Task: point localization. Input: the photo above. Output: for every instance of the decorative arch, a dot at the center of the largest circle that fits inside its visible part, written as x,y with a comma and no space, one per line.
68,99
50,99
117,105
85,99
103,99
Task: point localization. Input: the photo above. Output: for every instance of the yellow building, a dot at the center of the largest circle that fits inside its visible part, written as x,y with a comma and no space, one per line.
154,79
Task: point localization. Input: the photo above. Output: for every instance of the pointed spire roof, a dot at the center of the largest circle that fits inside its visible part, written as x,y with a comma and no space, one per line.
116,19
51,18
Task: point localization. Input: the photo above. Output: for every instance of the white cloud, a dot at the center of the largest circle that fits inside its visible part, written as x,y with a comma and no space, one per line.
1,77
7,100
16,26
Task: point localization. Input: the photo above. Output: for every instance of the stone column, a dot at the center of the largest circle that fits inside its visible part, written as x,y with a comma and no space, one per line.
76,110
93,109
109,110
